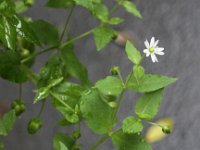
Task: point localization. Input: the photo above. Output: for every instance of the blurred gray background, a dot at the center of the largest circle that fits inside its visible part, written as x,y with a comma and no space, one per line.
176,23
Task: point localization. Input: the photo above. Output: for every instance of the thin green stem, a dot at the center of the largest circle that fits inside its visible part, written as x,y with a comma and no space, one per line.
114,7
99,142
119,103
66,23
129,77
42,108
75,38
20,91
38,53
30,75
155,124
120,76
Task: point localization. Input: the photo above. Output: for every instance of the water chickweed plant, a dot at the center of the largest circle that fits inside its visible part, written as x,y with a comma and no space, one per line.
22,39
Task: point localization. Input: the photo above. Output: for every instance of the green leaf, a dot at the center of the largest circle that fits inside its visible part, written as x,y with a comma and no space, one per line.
68,114
149,83
148,105
52,70
97,114
131,8
10,67
132,53
41,94
110,86
138,72
100,11
7,32
73,66
60,3
132,125
20,7
103,36
69,93
7,122
129,141
7,7
62,142
87,3
97,9
62,146
24,30
115,21
50,76
45,32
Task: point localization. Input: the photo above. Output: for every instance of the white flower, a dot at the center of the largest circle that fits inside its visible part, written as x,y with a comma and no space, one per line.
152,49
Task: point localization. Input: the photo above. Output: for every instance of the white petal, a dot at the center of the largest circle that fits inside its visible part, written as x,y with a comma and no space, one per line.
156,43
159,49
146,43
147,54
146,51
159,53
154,58
152,42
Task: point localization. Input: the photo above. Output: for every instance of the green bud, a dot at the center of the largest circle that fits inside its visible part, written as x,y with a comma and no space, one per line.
166,130
34,125
76,147
115,70
18,106
29,2
112,104
24,53
76,134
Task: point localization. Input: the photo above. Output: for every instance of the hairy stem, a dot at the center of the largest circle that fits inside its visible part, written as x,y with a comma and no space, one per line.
20,91
75,38
42,108
66,23
98,143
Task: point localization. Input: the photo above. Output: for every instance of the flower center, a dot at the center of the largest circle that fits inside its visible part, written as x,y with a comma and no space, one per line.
151,50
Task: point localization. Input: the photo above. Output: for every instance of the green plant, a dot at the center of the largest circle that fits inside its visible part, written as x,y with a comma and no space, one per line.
95,104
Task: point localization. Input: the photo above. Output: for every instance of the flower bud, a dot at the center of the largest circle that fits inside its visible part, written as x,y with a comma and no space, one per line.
29,2
112,104
166,130
34,125
115,70
76,134
18,106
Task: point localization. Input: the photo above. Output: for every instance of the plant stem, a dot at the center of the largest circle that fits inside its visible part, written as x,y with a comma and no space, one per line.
155,124
66,23
59,47
99,142
41,108
36,54
75,38
20,91
114,7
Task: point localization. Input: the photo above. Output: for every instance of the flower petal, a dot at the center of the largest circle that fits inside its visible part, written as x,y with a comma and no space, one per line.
146,43
152,42
154,58
159,49
159,53
156,43
146,51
